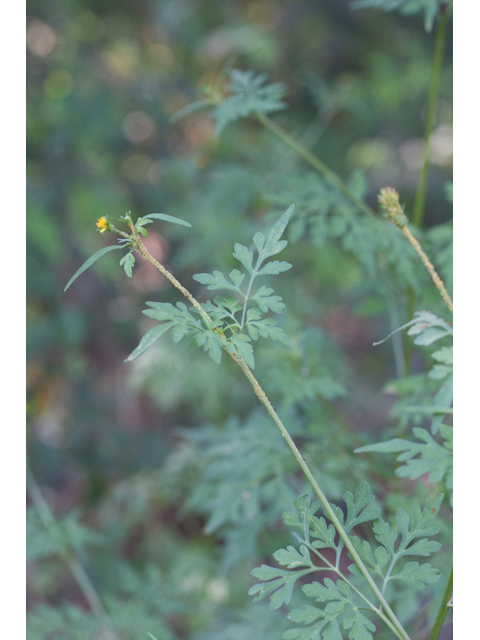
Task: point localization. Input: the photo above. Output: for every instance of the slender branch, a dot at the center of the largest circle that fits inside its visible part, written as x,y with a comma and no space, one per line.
400,632
445,605
420,196
315,162
71,560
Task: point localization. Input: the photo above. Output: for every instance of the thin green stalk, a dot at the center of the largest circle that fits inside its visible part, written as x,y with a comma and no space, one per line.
315,162
70,559
445,606
399,630
419,204
396,626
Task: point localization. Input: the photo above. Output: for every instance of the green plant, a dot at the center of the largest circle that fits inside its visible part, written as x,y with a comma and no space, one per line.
223,327
233,474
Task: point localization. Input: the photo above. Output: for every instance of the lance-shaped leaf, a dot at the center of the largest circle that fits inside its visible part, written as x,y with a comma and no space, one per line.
167,218
148,339
90,261
272,245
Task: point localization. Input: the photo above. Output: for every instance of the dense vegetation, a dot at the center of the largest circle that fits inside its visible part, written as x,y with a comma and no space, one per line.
157,485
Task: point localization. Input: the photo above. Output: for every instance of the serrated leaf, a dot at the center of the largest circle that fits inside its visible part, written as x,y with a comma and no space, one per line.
167,218
90,261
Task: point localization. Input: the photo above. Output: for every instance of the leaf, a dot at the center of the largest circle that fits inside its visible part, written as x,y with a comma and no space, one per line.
266,301
359,625
266,328
433,458
376,561
245,256
243,348
324,535
272,244
292,559
417,575
357,509
426,326
216,281
277,582
274,268
90,261
128,262
148,339
247,94
167,218
431,8
443,398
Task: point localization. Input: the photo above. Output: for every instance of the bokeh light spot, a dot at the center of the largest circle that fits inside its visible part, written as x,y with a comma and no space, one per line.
138,127
41,38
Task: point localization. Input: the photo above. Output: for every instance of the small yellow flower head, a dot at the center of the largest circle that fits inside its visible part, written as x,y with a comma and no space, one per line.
102,224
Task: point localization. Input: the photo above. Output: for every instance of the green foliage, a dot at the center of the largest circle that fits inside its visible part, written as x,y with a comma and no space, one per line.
343,608
226,330
431,8
202,504
421,457
245,94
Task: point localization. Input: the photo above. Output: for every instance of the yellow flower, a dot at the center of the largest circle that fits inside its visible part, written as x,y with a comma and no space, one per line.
102,224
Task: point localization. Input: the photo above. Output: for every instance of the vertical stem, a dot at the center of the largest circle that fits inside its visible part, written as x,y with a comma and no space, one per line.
419,205
72,561
443,610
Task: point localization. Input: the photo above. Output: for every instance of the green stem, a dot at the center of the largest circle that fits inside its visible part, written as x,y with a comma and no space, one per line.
315,162
399,630
71,560
443,610
419,204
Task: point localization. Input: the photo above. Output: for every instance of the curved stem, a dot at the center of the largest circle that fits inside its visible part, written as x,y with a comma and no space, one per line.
419,204
443,610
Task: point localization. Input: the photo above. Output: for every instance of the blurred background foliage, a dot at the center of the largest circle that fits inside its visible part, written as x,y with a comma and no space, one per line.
171,479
